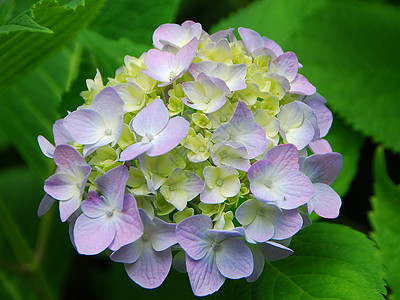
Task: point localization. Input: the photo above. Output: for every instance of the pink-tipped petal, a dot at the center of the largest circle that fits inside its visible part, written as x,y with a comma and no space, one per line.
251,39
134,150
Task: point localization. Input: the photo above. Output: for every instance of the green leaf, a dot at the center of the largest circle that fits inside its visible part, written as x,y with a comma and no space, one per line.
348,143
385,221
345,55
27,242
135,20
21,51
29,107
330,261
24,22
107,54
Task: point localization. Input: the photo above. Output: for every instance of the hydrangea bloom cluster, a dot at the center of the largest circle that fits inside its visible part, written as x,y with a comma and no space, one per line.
205,153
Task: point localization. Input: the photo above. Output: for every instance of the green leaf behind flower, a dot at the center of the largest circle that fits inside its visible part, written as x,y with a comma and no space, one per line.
349,50
386,223
28,109
21,51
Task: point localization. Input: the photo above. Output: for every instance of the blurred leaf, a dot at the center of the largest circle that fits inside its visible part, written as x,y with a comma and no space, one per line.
24,22
13,287
29,107
386,223
21,51
348,143
21,193
107,54
135,20
349,52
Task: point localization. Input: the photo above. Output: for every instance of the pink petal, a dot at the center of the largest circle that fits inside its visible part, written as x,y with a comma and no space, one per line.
300,85
320,146
326,201
287,65
160,64
251,39
151,119
167,32
170,137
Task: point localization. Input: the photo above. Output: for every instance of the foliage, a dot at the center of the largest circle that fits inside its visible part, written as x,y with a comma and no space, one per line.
349,49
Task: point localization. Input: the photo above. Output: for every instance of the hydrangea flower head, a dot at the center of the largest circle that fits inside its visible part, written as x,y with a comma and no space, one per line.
195,156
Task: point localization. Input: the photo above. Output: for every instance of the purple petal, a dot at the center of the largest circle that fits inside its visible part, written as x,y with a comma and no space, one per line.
326,201
170,137
160,65
66,157
151,119
287,65
167,32
324,116
128,253
323,168
61,186
191,235
128,224
286,223
152,267
320,146
94,206
295,189
268,43
67,208
204,276
46,147
45,205
234,259
251,39
61,134
93,235
215,37
300,85
86,126
273,251
110,106
186,55
260,230
283,157
134,150
164,236
112,185
259,261
89,149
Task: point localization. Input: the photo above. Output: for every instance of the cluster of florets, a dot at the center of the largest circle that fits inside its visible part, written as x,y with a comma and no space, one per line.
197,148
